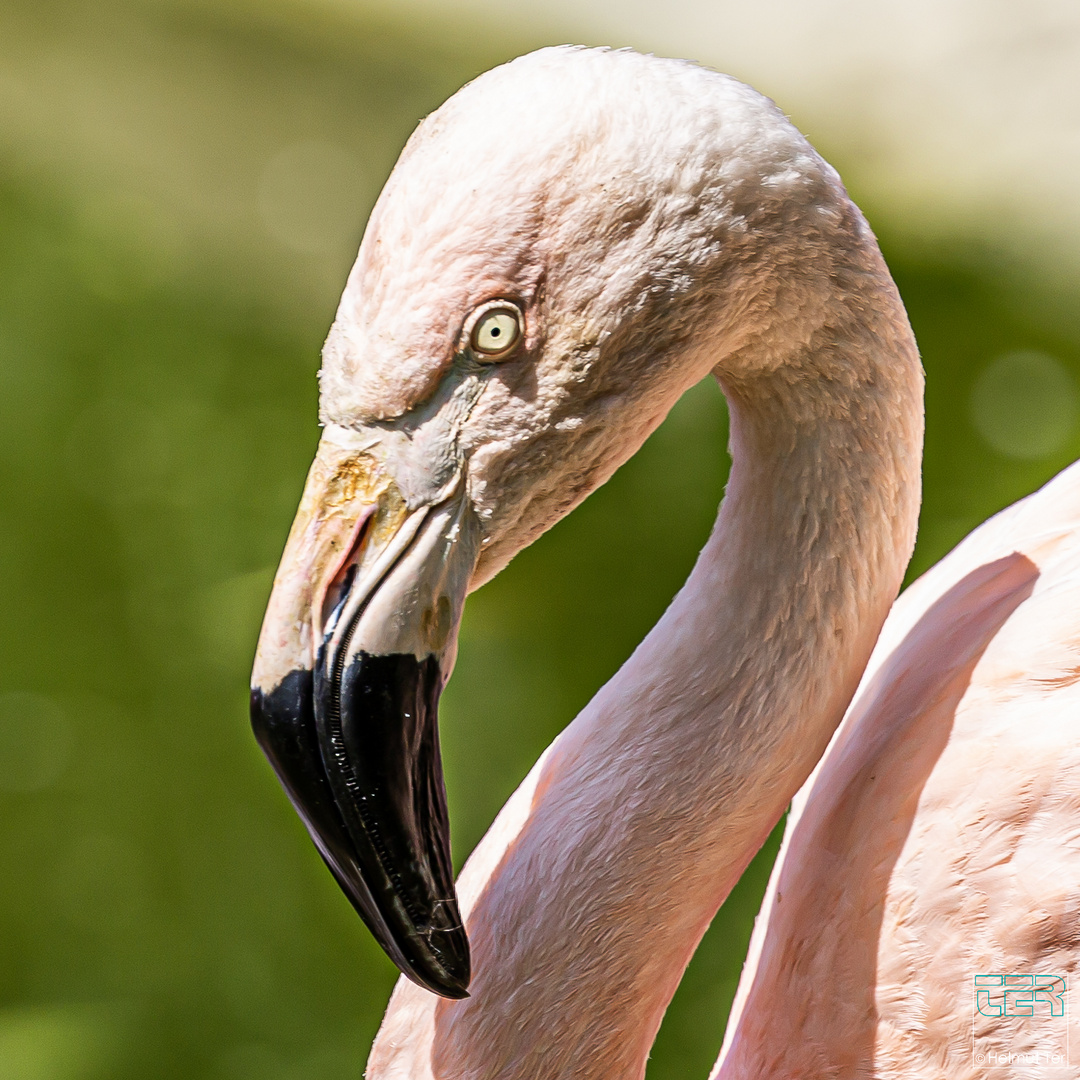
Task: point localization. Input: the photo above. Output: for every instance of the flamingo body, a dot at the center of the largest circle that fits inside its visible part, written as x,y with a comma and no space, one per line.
637,224
939,838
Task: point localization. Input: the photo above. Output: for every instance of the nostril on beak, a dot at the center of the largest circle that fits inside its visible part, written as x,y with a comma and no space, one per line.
341,581
336,595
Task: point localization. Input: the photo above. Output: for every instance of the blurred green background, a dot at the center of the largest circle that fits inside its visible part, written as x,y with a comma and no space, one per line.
182,189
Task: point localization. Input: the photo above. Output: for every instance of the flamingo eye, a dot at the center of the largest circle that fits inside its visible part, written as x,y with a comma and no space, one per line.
496,331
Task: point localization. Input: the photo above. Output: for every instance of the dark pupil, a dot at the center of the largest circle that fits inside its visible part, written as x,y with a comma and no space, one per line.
495,331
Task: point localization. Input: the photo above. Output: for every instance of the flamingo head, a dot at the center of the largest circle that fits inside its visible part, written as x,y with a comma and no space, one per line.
562,249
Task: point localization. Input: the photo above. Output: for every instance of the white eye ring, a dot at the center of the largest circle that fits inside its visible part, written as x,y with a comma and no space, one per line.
496,330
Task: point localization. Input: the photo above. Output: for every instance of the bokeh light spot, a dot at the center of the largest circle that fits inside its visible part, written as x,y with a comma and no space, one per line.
1025,405
309,197
35,742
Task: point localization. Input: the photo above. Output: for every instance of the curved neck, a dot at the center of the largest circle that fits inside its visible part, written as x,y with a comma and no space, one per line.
591,892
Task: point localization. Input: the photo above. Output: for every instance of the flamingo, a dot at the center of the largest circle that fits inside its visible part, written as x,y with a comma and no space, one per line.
563,248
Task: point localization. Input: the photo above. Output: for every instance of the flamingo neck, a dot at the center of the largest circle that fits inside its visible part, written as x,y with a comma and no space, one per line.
589,895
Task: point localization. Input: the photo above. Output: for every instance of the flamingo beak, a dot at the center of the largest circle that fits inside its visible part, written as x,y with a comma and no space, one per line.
358,641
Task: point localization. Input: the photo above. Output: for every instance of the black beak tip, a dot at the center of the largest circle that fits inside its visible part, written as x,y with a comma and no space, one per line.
447,973
441,983
455,992
438,959
412,920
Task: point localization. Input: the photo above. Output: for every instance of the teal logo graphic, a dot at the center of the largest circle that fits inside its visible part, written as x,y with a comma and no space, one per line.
1021,1020
1020,995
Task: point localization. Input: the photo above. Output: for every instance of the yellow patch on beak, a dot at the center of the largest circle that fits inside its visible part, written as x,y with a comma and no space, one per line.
346,493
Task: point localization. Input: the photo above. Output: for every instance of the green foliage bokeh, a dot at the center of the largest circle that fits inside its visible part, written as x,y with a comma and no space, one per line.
162,912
